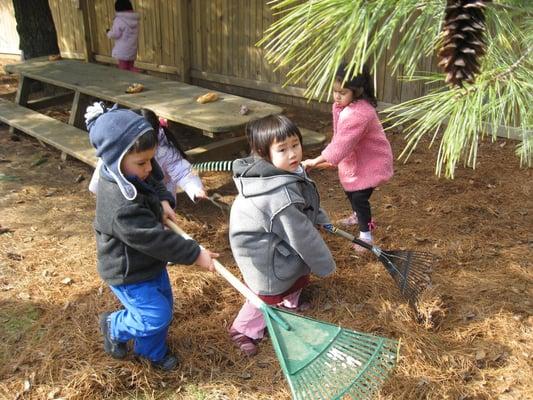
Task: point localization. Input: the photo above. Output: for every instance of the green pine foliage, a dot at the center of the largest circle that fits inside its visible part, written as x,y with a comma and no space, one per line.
312,38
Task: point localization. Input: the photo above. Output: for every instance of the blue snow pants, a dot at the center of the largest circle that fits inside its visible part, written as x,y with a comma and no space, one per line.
146,316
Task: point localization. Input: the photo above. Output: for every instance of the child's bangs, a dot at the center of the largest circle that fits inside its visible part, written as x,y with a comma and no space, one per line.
147,141
285,132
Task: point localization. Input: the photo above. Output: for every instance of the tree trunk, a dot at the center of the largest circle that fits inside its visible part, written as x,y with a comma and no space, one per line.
36,28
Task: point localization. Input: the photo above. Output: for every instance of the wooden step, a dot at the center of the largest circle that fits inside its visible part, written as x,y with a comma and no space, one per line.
67,138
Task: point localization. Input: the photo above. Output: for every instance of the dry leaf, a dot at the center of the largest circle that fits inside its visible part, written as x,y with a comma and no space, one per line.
207,98
23,296
14,256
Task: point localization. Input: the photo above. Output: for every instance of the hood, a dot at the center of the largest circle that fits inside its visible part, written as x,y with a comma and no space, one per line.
255,176
130,18
112,134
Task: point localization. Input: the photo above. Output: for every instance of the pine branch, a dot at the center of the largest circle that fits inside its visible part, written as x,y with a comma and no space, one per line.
312,38
500,76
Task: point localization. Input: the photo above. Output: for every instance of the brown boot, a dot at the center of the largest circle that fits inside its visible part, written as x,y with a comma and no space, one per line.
244,343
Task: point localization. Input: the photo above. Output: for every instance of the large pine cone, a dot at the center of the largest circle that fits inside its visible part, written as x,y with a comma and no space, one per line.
464,40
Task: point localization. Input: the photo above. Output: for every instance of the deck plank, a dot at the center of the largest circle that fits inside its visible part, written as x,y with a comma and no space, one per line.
67,138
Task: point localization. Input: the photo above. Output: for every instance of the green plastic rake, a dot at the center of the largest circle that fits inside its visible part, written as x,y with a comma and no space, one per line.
321,360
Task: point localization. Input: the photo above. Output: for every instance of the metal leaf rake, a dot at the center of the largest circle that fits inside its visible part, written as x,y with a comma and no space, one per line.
321,360
410,270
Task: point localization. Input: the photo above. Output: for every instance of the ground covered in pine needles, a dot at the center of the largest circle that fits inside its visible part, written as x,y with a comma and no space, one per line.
472,342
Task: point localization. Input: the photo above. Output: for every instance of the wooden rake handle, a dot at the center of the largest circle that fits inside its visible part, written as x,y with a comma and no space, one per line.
232,279
339,232
236,283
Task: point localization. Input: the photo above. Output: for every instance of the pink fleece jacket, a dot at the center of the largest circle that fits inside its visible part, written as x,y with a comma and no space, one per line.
359,147
125,32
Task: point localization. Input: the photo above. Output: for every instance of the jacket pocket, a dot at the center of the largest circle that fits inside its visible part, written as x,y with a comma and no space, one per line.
126,262
286,263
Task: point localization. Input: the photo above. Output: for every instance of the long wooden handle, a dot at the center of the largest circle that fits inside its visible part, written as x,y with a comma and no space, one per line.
236,283
339,232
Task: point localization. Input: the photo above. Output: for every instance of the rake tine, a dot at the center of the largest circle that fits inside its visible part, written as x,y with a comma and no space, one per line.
412,275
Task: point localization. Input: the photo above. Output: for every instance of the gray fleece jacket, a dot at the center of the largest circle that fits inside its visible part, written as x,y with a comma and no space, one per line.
272,227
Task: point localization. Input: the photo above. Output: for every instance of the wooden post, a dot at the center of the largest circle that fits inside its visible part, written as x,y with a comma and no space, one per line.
23,93
183,45
85,27
79,105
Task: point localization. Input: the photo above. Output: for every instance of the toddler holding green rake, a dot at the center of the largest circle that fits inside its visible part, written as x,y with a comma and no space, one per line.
272,229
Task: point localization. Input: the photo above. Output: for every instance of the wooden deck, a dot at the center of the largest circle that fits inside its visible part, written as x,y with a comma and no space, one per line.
87,82
173,100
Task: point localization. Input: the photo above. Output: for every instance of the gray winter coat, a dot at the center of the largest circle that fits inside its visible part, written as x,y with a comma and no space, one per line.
272,227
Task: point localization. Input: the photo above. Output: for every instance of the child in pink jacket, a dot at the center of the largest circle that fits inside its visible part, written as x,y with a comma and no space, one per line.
359,147
125,33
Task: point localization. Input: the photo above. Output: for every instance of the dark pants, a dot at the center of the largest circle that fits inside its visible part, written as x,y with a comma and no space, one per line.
361,206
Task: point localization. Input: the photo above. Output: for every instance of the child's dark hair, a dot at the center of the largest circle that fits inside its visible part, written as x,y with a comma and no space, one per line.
123,5
263,132
362,85
153,120
146,141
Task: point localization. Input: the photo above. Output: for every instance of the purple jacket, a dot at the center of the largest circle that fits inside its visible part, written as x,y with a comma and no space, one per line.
359,147
178,171
125,32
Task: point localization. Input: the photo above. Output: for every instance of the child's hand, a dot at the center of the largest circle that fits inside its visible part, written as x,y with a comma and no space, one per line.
324,165
168,212
309,164
319,162
205,259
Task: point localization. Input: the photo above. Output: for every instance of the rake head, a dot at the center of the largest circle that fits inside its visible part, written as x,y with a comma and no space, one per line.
410,270
324,361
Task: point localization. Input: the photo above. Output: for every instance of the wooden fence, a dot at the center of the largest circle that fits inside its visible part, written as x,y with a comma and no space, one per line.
206,42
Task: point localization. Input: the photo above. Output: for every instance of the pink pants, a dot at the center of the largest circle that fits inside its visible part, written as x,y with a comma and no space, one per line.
250,320
128,65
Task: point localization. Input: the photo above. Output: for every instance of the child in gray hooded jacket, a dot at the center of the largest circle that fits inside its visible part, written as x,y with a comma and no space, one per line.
273,221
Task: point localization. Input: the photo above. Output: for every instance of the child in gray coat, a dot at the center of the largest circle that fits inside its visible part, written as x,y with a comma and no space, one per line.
273,221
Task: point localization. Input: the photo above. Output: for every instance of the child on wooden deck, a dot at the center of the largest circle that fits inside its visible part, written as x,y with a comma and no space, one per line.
359,147
272,225
125,33
133,248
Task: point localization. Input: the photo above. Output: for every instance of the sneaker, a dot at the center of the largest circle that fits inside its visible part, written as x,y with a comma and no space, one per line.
302,307
361,249
167,363
244,343
351,220
112,347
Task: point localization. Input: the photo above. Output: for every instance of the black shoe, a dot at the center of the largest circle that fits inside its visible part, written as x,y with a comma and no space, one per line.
112,347
167,363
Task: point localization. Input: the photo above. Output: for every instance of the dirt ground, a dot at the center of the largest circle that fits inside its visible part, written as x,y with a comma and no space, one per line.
474,341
